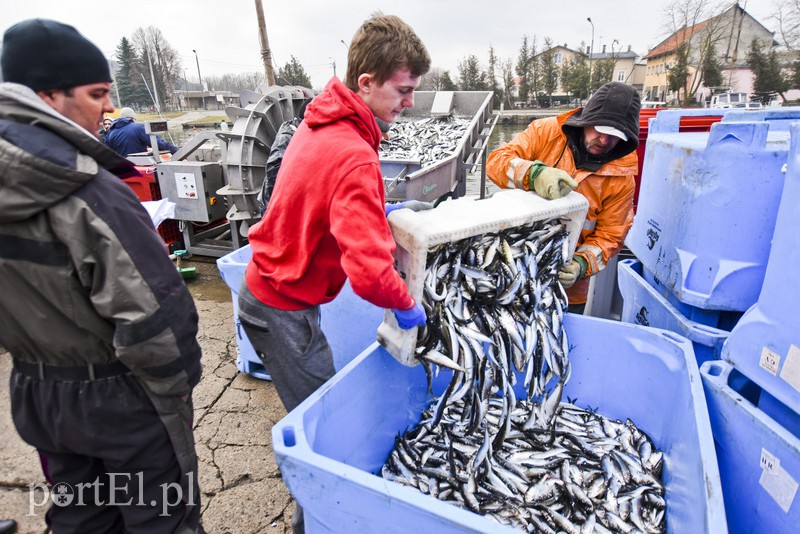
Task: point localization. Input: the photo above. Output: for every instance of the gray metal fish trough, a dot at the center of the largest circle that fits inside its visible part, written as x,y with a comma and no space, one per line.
409,178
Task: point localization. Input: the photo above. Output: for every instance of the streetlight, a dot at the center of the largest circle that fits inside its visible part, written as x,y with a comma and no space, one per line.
333,62
199,78
347,46
614,57
591,53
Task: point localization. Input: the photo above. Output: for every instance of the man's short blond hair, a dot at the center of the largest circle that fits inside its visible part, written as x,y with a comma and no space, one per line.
383,44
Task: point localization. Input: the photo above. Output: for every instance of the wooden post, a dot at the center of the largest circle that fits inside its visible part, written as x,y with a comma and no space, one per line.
266,55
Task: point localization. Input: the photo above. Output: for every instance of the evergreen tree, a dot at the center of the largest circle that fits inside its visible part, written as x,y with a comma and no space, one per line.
549,69
602,73
575,77
470,75
767,73
535,76
293,73
679,73
446,83
711,70
128,76
508,81
524,70
795,76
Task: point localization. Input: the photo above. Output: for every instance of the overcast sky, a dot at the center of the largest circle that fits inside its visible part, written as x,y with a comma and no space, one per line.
225,32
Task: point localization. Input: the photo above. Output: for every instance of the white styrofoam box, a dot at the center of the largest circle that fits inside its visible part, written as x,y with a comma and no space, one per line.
416,232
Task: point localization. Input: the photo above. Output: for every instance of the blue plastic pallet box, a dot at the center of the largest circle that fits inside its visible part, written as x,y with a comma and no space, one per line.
765,344
707,208
642,304
779,118
724,320
349,322
330,447
759,459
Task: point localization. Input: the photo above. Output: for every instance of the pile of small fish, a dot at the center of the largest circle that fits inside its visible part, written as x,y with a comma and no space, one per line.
582,473
425,140
494,306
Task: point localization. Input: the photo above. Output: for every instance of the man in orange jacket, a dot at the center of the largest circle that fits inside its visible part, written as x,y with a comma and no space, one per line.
593,151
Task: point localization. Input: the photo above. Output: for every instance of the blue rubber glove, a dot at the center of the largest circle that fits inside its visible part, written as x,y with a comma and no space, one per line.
413,205
414,316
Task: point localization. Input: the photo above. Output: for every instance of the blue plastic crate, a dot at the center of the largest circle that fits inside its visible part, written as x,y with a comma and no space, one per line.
759,459
330,446
765,344
707,208
642,304
231,268
778,118
349,322
724,320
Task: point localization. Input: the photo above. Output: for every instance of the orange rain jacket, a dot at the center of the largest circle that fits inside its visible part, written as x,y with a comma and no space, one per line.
609,190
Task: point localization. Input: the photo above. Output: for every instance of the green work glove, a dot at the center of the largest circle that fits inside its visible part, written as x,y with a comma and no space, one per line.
572,272
549,182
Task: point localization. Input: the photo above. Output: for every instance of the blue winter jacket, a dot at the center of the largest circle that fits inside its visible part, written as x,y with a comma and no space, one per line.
128,137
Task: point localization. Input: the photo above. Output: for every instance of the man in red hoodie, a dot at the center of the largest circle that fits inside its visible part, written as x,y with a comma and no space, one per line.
326,220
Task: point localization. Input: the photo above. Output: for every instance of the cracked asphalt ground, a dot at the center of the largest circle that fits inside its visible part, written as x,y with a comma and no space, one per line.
242,489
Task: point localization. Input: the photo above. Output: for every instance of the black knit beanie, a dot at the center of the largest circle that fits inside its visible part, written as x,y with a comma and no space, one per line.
45,54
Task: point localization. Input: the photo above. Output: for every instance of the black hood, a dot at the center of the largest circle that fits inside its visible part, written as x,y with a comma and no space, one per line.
615,104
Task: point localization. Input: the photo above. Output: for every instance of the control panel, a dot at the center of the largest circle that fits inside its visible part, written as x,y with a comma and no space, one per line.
192,186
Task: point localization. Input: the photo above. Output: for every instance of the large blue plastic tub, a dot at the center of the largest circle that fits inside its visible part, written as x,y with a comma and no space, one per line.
642,304
759,459
707,209
350,323
330,446
765,344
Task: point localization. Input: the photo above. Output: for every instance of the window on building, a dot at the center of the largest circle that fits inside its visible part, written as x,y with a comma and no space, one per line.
621,76
558,58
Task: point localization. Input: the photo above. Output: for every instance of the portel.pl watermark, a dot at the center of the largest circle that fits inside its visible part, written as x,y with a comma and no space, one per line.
114,491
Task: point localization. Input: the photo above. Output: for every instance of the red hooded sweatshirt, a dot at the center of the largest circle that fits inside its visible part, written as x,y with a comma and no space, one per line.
326,220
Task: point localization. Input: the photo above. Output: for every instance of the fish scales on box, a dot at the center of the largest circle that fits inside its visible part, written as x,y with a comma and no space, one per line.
426,140
495,306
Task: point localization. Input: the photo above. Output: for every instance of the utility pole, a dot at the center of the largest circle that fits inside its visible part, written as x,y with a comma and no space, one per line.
114,79
266,55
153,78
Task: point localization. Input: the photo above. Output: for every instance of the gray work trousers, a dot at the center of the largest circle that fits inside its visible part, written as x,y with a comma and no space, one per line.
293,349
291,345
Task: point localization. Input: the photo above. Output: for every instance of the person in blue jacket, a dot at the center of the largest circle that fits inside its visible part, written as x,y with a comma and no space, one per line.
126,136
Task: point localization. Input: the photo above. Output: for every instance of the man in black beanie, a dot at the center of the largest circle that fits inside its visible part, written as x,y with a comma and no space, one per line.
100,325
593,151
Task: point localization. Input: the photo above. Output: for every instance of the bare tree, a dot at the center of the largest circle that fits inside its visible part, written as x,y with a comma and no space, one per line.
235,82
698,29
154,48
787,19
431,80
